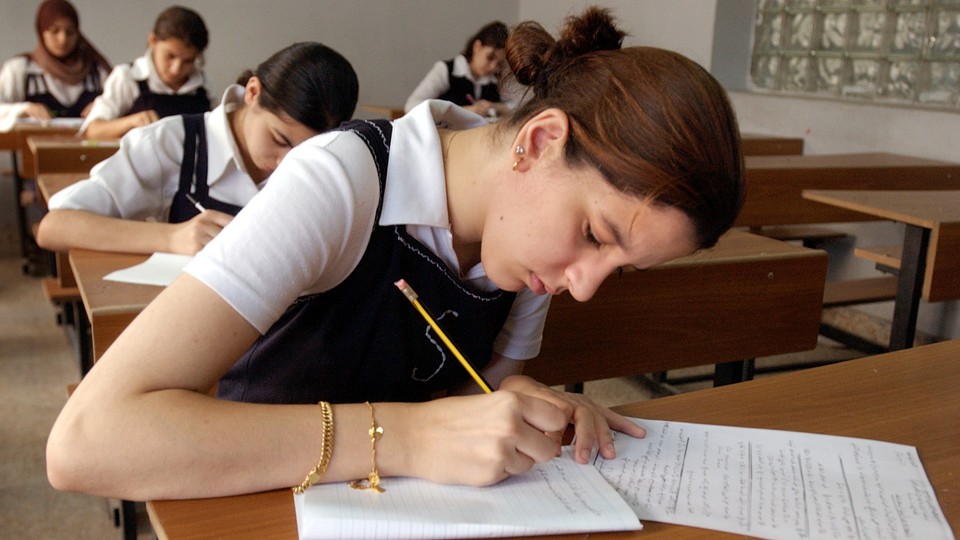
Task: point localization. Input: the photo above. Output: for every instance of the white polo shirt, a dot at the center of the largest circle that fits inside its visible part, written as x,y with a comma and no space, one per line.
120,90
140,180
306,231
13,98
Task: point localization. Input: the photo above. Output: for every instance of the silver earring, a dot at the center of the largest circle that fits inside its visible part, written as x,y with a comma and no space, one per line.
520,150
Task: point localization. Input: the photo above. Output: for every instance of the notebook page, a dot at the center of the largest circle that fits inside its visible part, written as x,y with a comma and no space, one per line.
160,269
775,484
559,496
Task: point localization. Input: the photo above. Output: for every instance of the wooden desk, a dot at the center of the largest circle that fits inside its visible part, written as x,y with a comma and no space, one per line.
59,154
930,264
109,305
908,397
775,183
26,165
47,186
755,144
749,296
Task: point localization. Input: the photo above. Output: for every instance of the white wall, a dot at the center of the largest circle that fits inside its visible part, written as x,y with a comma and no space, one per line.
391,44
685,26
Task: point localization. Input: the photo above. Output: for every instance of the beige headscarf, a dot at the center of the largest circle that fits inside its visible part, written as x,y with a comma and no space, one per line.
73,68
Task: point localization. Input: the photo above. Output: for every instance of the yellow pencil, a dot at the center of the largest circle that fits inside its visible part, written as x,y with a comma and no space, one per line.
412,297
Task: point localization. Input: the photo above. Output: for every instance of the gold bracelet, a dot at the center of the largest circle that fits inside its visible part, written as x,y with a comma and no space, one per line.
373,479
326,450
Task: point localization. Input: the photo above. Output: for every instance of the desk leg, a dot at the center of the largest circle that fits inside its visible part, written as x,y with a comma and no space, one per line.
22,231
909,287
84,339
733,372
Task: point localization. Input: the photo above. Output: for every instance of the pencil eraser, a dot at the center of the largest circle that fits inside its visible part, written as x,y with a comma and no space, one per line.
401,284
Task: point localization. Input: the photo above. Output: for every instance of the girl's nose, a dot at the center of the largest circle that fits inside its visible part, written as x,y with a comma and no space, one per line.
586,279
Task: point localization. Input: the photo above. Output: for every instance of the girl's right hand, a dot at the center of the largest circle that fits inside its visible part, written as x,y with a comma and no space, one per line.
481,439
142,118
190,236
37,111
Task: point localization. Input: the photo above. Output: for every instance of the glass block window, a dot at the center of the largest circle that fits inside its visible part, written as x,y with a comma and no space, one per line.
894,51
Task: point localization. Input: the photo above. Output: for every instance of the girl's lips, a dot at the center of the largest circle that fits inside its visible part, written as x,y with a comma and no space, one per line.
536,285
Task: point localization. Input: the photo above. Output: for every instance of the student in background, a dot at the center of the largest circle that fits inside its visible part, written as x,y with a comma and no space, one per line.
167,80
139,200
61,76
470,79
631,158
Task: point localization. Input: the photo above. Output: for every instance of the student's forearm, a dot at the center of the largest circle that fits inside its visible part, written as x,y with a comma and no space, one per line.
107,129
62,230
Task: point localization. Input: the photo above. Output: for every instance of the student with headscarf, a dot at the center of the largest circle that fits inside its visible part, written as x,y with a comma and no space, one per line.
60,77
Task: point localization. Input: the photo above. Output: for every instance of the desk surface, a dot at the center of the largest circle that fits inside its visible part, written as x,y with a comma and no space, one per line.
927,209
49,184
109,305
775,183
908,397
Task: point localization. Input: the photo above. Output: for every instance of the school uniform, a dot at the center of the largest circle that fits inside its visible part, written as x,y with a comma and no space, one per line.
452,80
144,179
22,82
321,230
137,87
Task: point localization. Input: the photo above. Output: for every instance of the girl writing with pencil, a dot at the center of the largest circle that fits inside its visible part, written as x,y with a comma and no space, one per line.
174,185
470,79
167,80
621,156
61,76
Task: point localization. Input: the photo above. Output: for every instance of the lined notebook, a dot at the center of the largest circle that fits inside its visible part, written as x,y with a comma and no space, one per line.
781,485
559,496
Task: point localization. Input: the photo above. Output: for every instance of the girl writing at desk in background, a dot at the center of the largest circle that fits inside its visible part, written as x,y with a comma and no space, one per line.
167,80
138,201
470,79
61,76
631,157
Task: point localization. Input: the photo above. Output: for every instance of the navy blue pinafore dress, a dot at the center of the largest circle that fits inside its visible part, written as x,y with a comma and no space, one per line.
363,340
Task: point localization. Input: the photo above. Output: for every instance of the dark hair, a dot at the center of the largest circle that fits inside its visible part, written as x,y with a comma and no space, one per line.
185,24
654,123
492,35
310,82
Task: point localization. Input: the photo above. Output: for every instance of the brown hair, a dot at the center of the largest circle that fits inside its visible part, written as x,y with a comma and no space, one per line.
654,123
491,35
185,24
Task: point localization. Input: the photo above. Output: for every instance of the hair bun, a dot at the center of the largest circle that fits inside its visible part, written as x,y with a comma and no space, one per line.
594,30
534,55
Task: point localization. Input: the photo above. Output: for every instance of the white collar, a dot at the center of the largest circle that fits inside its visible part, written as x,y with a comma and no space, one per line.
416,191
222,147
461,68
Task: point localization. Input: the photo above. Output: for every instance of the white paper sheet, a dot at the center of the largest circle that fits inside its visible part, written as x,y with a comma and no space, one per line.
160,269
775,484
555,497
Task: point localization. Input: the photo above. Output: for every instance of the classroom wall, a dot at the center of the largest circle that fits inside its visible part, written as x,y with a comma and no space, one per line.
393,43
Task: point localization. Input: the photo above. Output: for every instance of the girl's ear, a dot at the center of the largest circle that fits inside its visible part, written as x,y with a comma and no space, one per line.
542,138
251,91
